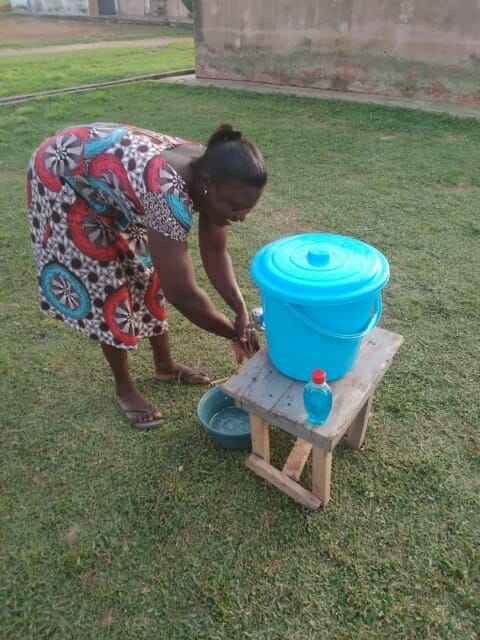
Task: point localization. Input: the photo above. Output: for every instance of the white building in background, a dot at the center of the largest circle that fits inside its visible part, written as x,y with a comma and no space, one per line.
172,10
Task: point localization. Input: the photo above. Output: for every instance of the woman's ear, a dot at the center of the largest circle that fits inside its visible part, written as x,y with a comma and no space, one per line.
206,184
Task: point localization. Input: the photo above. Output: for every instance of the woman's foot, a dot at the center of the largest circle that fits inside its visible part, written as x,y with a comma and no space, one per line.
181,373
138,410
167,370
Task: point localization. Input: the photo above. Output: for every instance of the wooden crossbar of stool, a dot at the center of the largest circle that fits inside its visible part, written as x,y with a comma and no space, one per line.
272,399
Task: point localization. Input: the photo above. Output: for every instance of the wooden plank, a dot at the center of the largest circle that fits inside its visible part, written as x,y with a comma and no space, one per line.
260,437
258,366
357,430
277,479
297,459
290,404
296,430
260,389
258,381
321,474
350,392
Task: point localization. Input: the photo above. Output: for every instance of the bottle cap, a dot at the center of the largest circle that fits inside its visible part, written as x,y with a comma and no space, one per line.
318,376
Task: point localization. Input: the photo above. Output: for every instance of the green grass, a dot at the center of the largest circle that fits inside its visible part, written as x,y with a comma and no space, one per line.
22,74
109,533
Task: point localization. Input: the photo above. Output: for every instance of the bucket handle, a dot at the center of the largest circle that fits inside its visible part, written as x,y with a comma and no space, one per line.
372,323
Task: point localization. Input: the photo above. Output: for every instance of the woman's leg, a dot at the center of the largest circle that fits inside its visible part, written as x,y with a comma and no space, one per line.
137,408
167,370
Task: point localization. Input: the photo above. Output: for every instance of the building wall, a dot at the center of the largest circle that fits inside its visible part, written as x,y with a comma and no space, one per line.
51,7
136,8
177,10
168,9
411,48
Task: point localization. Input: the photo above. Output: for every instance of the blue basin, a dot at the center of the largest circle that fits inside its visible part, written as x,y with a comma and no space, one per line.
228,425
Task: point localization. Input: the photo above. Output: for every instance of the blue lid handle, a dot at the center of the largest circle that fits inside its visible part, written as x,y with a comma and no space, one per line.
318,256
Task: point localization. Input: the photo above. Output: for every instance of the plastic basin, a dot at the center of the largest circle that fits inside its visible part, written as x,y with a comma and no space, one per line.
228,426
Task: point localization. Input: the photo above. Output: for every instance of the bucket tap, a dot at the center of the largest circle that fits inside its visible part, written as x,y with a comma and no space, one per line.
257,323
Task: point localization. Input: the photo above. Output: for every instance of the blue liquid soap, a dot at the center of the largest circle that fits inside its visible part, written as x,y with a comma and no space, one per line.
317,398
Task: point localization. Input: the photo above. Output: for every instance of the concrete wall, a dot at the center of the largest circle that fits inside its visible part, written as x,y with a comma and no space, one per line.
51,7
173,10
177,10
428,49
135,8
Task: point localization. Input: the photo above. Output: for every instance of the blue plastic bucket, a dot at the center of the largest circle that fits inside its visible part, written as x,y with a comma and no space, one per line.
321,294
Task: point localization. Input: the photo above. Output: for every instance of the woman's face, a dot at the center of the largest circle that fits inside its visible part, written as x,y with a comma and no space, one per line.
230,202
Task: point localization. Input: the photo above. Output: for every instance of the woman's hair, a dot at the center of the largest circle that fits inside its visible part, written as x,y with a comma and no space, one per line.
228,156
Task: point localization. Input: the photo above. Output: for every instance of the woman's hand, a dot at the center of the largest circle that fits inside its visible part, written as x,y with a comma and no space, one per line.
245,345
242,321
245,350
238,350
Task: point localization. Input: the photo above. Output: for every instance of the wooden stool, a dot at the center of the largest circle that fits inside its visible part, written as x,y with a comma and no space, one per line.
273,399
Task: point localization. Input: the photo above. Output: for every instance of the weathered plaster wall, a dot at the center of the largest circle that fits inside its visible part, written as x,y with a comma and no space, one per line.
177,10
173,10
134,8
52,7
419,48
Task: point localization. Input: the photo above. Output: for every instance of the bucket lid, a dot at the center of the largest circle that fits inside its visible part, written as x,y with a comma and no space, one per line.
319,268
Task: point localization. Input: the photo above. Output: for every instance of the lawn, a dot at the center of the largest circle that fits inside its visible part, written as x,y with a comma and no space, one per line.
23,74
109,533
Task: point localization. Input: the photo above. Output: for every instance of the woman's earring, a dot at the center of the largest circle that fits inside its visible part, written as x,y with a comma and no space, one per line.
205,191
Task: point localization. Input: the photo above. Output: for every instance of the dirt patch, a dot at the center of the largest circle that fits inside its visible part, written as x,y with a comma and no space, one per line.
106,619
284,218
449,138
8,175
151,43
73,532
459,188
15,30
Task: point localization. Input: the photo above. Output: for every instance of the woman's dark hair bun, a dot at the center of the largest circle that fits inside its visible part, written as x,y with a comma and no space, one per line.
229,156
224,133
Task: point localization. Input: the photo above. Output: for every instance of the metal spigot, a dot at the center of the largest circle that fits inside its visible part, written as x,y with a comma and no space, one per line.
257,319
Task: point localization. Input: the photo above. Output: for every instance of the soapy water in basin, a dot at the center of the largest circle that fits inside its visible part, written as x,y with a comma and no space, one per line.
230,421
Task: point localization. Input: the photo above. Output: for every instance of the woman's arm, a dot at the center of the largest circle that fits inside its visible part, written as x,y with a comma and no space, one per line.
219,269
174,266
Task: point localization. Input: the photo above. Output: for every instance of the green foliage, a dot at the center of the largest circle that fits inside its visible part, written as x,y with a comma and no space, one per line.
110,533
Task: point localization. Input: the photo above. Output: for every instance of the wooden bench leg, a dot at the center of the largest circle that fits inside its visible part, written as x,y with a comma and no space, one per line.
297,459
358,428
260,437
321,474
259,462
281,481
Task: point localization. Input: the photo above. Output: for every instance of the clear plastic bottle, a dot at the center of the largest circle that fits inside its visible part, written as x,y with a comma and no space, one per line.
317,398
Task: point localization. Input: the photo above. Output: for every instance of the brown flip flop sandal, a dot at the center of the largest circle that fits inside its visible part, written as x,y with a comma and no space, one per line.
141,426
186,378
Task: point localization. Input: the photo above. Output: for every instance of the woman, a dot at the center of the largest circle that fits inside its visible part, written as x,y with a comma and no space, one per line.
110,210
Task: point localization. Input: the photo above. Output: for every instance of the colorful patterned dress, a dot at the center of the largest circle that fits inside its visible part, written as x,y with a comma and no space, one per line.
92,192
